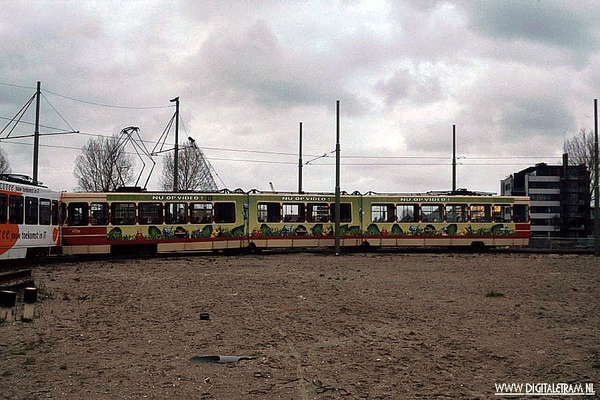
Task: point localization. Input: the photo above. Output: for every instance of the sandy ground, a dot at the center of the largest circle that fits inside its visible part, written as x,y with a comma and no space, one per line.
318,326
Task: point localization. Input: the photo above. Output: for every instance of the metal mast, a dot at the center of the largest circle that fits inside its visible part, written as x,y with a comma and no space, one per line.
596,185
36,134
176,155
300,162
453,158
337,180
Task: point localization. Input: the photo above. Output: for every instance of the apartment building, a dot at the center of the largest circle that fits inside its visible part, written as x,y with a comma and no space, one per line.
560,198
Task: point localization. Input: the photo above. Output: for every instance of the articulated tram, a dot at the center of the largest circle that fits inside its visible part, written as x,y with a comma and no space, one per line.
29,222
160,222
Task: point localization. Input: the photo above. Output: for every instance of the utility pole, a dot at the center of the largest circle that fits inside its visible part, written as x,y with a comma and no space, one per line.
337,180
596,185
176,155
36,134
300,163
453,158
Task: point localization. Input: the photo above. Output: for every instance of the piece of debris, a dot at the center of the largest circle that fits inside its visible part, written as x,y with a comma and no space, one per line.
220,359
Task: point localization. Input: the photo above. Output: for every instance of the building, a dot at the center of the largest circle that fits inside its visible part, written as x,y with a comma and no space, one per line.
559,195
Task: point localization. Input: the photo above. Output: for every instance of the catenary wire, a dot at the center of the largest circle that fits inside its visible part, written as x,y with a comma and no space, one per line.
93,103
58,113
85,101
312,164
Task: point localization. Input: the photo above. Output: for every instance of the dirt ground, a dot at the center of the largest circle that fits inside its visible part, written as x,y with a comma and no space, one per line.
316,326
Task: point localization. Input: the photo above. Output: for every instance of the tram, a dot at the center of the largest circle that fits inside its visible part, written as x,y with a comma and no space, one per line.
140,222
29,222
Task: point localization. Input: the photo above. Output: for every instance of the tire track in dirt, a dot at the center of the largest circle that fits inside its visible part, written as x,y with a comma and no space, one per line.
303,383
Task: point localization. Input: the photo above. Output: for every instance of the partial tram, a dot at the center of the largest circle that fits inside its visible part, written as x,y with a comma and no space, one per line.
29,219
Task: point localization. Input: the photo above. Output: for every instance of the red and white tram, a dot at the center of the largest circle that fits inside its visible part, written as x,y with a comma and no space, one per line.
29,223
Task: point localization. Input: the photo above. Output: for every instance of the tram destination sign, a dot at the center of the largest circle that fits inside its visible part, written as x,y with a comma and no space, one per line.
159,197
13,187
425,199
307,198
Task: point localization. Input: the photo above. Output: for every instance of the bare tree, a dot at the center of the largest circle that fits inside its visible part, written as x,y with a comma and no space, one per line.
103,165
195,172
580,149
4,164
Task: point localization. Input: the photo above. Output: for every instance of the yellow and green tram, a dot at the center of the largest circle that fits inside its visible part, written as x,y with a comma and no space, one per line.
163,222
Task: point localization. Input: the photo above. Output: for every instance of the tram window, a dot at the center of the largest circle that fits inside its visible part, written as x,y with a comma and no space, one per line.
520,213
176,213
45,212
345,212
268,212
55,220
150,213
431,213
481,213
3,208
407,213
99,213
293,212
31,210
382,213
78,214
501,213
224,212
318,212
15,209
123,213
456,212
202,213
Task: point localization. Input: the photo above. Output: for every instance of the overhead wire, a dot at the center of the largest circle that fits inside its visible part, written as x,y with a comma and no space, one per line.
86,101
310,162
93,103
41,125
17,86
210,166
58,113
464,159
14,121
321,164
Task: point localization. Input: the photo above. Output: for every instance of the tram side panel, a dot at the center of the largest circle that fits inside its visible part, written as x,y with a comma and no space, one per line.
141,223
292,220
205,221
445,221
86,219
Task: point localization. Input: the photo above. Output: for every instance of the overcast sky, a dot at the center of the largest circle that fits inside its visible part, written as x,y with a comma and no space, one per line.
515,77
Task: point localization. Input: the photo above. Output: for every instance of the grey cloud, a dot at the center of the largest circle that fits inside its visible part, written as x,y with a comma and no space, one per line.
252,65
548,22
429,30
526,115
406,85
434,137
523,103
